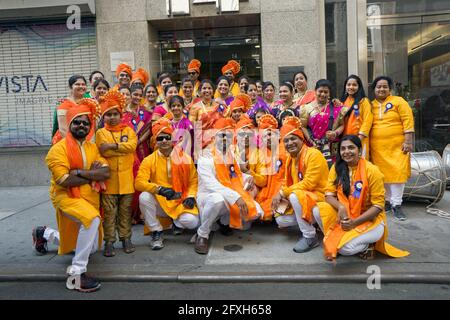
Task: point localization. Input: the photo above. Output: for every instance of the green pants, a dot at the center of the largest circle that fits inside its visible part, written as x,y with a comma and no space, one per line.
117,215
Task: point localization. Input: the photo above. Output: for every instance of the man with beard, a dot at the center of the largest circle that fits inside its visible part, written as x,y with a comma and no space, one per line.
78,174
230,70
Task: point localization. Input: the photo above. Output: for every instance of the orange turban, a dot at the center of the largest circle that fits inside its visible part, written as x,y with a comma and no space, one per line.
113,99
223,124
292,125
123,67
89,107
194,65
140,74
268,121
232,65
241,101
245,122
162,125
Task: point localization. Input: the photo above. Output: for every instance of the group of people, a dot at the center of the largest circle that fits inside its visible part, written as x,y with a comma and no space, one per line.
209,157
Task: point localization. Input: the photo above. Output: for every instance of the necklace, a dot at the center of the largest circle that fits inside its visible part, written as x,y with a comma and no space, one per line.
321,109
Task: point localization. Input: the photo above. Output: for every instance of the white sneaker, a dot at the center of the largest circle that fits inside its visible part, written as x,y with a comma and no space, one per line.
157,242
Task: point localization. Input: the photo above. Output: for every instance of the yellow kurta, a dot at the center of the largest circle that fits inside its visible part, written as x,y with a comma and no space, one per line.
156,171
120,161
315,173
362,123
387,136
83,209
375,197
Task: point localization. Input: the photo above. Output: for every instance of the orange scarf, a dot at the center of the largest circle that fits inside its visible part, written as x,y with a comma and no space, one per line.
353,204
115,128
231,176
352,122
181,167
307,199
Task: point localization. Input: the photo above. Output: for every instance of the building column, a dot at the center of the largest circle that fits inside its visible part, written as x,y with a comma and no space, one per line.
357,39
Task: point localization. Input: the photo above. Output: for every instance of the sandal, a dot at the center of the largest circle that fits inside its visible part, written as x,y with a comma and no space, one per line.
368,254
108,251
128,246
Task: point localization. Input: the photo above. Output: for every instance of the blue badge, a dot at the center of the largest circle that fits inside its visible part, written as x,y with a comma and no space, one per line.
389,106
124,139
358,187
232,171
278,165
300,176
221,108
134,124
356,110
141,114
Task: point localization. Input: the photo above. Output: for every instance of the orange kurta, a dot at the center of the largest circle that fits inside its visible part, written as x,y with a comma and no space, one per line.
83,209
200,108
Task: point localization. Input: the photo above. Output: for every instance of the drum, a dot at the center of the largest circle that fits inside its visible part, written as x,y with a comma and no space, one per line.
428,178
446,159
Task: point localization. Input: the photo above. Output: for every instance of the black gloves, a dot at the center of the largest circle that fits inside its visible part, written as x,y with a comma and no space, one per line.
189,203
168,193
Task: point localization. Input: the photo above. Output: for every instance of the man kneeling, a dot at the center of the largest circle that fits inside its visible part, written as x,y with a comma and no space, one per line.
306,177
168,181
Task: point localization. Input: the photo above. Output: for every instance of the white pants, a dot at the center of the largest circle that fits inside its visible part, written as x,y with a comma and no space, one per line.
213,207
87,244
360,243
394,193
151,209
307,229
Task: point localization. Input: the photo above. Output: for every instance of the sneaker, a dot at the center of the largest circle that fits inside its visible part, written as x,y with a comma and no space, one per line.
398,213
157,242
39,242
87,284
128,246
176,231
387,207
306,244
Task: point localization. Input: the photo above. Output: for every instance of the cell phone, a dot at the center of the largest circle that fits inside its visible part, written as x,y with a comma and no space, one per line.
282,207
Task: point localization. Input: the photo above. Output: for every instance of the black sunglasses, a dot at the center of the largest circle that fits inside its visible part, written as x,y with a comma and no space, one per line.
192,73
162,138
79,122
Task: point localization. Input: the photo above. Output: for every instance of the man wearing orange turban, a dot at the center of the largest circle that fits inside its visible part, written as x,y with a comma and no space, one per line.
123,75
306,173
231,70
168,181
140,76
78,170
194,74
221,195
239,106
117,143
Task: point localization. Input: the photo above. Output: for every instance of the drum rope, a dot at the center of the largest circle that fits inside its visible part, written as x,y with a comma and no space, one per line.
433,180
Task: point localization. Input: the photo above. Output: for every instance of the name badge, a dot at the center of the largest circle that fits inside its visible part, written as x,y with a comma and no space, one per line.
389,106
124,139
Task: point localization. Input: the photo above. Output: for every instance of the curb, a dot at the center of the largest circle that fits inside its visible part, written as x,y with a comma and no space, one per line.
438,278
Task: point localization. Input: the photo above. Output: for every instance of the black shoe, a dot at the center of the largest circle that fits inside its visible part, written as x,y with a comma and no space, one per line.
176,231
87,284
398,213
387,207
39,242
157,241
225,229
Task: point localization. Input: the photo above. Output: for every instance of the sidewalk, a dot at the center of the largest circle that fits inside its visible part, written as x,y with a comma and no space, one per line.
264,253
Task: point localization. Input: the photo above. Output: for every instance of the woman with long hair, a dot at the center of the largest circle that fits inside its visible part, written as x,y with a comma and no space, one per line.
358,119
353,218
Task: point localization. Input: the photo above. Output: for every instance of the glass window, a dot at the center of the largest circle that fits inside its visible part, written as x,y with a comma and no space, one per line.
409,6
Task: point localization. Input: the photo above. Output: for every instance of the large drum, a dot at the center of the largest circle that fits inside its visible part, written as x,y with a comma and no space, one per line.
428,178
446,159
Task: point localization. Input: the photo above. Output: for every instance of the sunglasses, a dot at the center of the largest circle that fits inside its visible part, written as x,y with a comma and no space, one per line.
162,138
81,122
192,73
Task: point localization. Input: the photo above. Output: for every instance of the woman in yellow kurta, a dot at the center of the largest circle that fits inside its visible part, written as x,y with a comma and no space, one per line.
391,141
353,218
358,119
306,170
168,181
117,143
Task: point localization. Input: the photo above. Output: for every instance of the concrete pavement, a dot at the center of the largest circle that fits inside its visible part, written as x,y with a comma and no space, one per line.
264,253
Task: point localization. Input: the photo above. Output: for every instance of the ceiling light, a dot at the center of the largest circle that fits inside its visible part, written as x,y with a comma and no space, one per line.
172,50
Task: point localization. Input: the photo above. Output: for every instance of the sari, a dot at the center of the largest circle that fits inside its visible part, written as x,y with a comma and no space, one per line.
183,134
259,105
